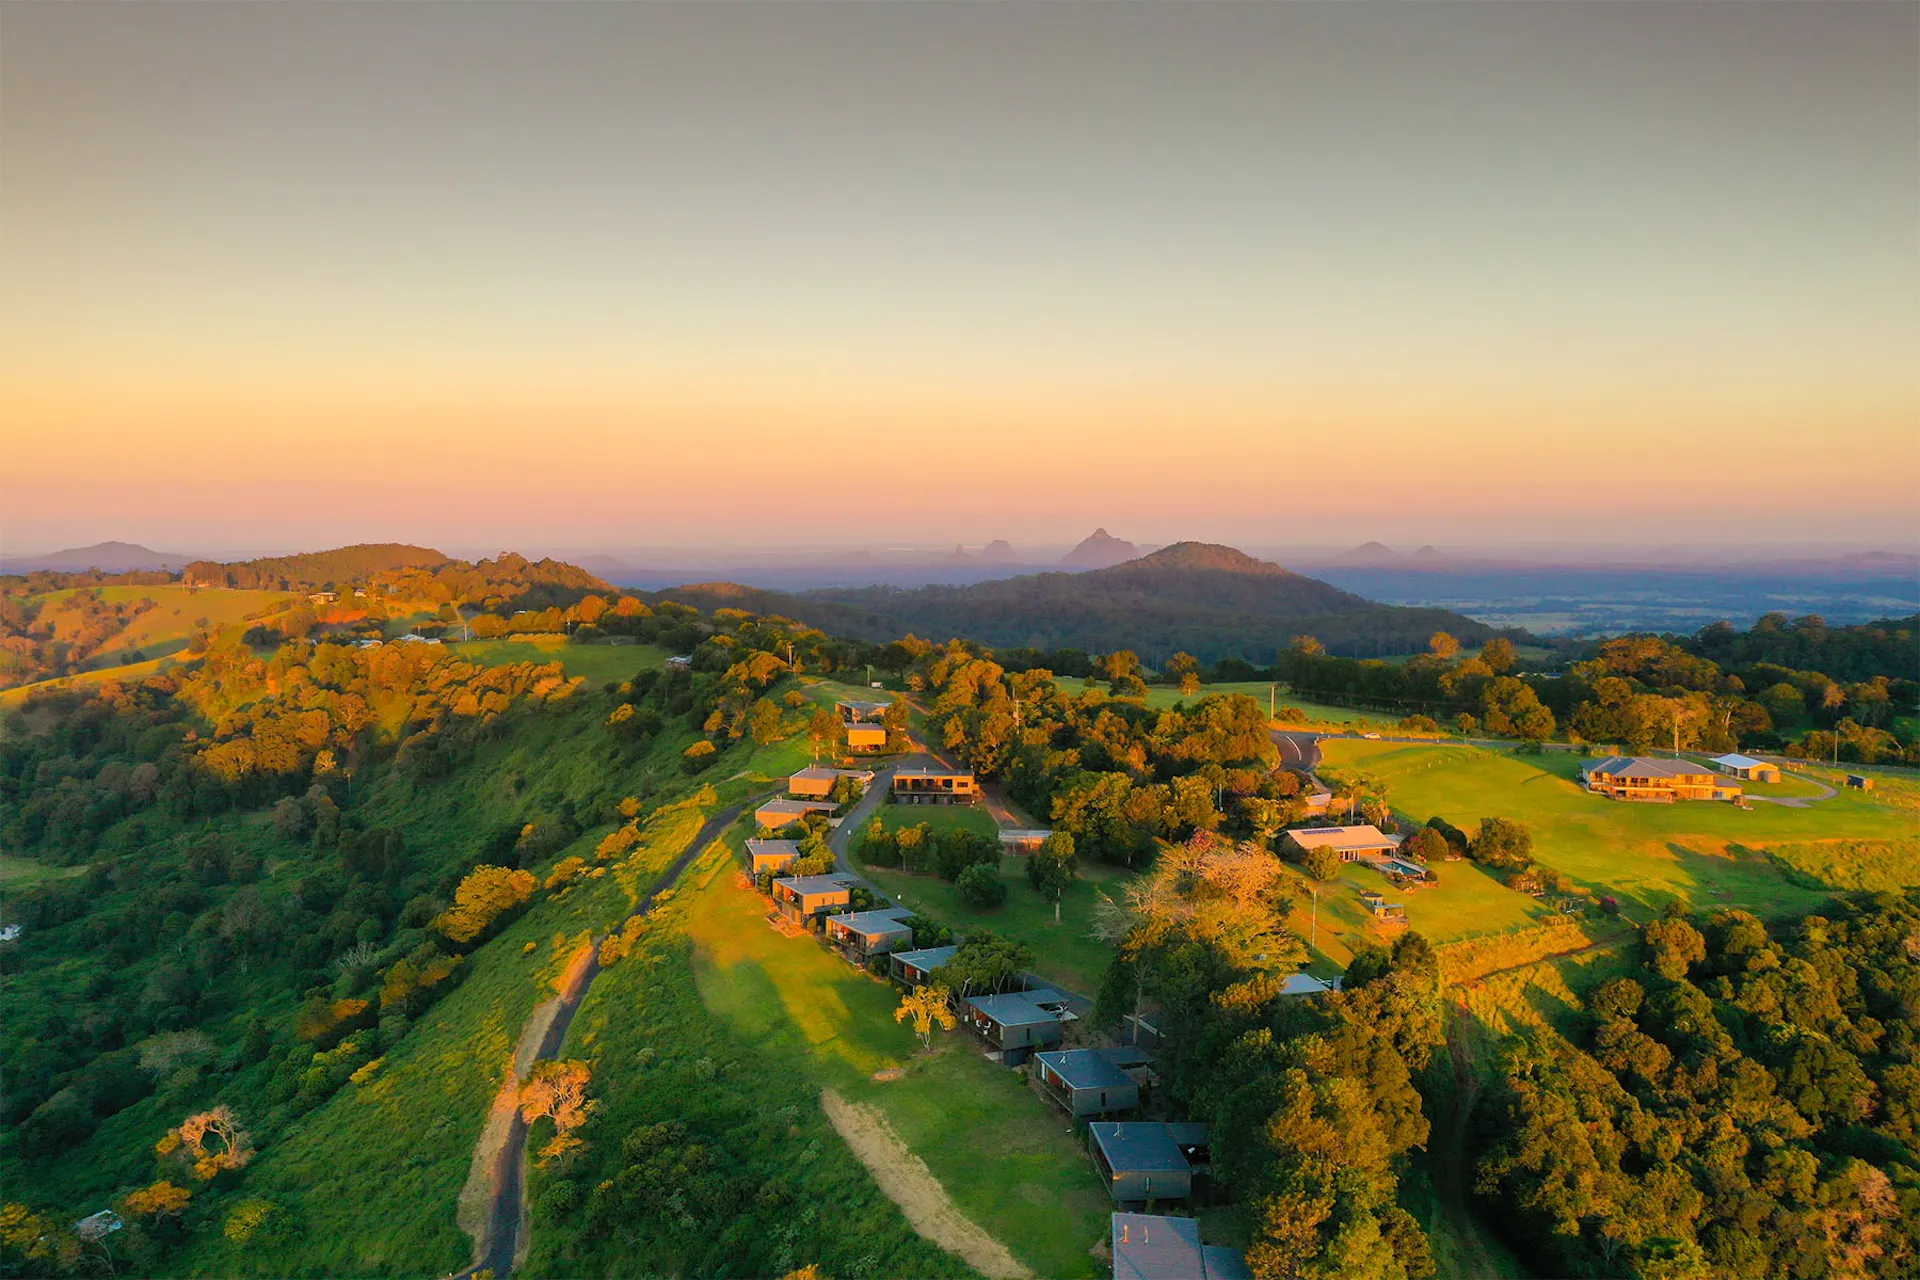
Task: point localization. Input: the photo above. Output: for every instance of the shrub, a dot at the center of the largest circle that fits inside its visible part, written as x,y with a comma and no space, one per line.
1322,863
981,887
698,756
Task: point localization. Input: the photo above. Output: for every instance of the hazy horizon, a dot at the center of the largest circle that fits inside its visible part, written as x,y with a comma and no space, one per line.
598,275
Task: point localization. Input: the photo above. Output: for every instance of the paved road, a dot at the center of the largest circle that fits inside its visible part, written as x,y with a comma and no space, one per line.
857,817
1298,750
502,1237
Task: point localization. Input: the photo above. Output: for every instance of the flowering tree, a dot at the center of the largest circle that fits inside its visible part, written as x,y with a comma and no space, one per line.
926,1006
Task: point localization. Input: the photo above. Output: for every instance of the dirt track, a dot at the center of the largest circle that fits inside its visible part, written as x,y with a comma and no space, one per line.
911,1185
492,1206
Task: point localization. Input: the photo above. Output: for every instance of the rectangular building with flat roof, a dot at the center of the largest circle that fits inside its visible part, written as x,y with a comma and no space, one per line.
870,933
1149,1161
775,814
1017,1022
816,781
925,780
801,898
772,855
911,968
1351,843
1089,1082
1747,767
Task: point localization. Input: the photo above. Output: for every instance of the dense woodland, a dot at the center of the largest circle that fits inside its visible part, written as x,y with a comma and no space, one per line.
1743,1103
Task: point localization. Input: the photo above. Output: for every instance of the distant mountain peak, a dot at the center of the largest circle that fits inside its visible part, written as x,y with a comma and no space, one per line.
1100,550
999,551
1429,554
1208,557
959,553
1372,553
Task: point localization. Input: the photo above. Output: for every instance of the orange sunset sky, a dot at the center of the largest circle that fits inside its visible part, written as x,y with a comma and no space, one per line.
284,275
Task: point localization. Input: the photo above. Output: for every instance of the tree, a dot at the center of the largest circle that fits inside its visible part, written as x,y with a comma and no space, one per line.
1051,867
981,887
1321,863
1503,843
1184,670
557,1088
1443,646
1673,946
1498,653
926,1005
985,965
210,1142
160,1200
763,721
483,896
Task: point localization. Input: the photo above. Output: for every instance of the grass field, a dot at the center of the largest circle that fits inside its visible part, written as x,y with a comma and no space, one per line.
435,1088
1160,697
20,873
1702,853
1008,1160
1066,953
177,613
599,663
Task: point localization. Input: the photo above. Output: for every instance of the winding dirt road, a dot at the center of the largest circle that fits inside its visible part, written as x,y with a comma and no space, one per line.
499,1176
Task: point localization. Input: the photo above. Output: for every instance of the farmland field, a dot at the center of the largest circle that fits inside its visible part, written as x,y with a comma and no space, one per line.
599,663
1702,853
178,611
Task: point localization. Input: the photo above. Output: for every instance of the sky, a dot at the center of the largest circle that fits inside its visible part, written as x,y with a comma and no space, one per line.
614,275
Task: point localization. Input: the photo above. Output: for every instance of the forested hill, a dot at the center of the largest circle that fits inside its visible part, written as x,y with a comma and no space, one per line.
1208,600
312,570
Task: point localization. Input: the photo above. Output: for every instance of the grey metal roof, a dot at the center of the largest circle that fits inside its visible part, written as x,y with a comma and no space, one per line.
871,923
860,708
1303,984
773,848
1647,767
1224,1263
1084,1068
1738,761
1149,1247
827,773
815,884
795,807
928,958
1013,1009
926,766
1139,1147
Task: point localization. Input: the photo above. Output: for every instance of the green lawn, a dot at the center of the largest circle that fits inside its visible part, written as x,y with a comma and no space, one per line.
1319,715
1008,1160
937,817
19,873
1704,853
1066,952
599,663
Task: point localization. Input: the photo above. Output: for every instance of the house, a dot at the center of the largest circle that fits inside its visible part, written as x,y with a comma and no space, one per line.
414,638
1651,779
772,855
1749,768
1090,1082
801,898
1318,802
775,814
1860,782
925,780
1017,1022
1305,984
322,597
866,737
860,934
679,662
815,782
1351,843
911,968
1023,839
854,711
1150,1160
864,723
98,1226
1153,1247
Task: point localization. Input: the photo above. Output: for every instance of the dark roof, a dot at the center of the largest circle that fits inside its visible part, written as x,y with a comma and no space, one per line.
1224,1263
1014,1008
870,923
862,708
1148,1247
1139,1147
1085,1068
770,848
928,958
815,884
1647,767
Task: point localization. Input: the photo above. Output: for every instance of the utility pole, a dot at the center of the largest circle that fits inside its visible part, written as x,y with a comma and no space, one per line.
1313,926
1272,691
